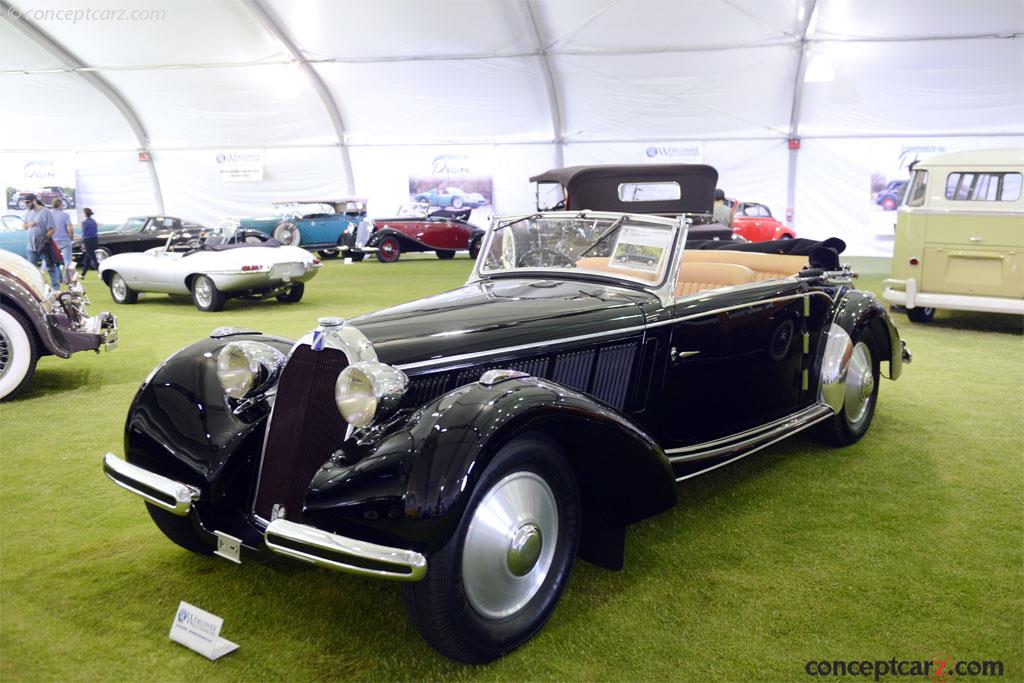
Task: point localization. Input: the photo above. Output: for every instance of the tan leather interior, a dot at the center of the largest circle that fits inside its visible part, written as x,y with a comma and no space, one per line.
765,266
703,270
600,264
700,277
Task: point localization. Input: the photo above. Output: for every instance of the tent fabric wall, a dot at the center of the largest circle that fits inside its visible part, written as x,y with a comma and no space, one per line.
413,79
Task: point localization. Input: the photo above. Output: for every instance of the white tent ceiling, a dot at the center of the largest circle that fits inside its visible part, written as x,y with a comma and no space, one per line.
177,76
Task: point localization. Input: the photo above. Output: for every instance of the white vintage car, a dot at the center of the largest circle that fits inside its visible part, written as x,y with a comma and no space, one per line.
212,266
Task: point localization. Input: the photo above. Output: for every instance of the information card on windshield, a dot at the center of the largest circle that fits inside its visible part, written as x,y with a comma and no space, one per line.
640,248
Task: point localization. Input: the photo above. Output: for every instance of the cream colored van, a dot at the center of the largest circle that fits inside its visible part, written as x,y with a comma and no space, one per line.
960,236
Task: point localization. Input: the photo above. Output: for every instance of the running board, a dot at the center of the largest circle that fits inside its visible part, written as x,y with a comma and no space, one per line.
743,444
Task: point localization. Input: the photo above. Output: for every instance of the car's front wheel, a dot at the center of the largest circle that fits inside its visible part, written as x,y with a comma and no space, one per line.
179,530
287,233
18,353
388,250
860,397
120,291
206,296
495,583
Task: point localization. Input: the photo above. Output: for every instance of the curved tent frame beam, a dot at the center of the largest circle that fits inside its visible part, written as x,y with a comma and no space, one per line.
94,78
554,102
797,104
273,25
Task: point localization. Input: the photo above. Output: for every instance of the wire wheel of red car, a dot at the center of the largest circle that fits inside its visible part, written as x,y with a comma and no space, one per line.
888,203
288,233
388,250
498,579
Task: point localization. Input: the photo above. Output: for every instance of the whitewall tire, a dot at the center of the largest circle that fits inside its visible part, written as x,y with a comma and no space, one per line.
18,353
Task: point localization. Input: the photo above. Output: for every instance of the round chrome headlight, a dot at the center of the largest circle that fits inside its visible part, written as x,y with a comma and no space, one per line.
365,391
243,366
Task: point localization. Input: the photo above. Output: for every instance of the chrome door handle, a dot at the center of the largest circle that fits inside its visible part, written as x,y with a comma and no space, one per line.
975,238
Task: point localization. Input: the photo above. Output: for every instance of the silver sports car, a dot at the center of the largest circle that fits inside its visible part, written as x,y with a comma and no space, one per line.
212,266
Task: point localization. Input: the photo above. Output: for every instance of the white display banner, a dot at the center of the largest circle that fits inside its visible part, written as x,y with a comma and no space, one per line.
240,165
48,176
199,630
673,152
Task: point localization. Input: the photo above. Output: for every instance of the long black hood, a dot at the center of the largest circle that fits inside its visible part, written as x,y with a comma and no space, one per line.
499,313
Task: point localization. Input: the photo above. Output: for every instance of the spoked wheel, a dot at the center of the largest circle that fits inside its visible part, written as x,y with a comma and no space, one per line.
18,353
921,315
860,397
388,250
287,233
498,579
120,291
205,294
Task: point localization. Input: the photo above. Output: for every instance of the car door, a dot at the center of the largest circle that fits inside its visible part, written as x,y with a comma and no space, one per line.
156,232
739,358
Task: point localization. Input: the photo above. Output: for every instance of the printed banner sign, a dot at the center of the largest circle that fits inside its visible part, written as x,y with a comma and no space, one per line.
456,182
673,152
48,177
240,165
199,630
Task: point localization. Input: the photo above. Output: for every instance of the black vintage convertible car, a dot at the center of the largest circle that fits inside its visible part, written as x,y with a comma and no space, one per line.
134,235
475,443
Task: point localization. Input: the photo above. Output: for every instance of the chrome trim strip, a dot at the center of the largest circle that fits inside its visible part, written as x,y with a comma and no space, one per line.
595,335
826,413
723,446
314,542
144,483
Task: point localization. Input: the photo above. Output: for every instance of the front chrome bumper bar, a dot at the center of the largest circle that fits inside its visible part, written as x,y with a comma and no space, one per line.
325,549
170,495
298,541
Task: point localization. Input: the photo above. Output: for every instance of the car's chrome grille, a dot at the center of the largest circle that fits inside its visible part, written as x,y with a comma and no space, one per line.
304,430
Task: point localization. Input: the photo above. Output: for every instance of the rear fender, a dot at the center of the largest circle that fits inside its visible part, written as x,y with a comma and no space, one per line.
414,484
860,310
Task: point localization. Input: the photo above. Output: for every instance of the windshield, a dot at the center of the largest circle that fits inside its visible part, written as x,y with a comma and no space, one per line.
622,246
132,225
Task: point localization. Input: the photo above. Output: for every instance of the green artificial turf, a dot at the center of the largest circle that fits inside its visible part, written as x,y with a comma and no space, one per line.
909,544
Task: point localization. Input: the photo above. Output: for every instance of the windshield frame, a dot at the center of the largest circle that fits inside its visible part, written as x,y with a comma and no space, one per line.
123,228
678,225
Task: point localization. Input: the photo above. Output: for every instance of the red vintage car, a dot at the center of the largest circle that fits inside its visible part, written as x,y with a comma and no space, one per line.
415,228
754,222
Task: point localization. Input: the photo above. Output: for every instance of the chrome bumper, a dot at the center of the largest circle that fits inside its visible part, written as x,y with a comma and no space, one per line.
325,549
170,495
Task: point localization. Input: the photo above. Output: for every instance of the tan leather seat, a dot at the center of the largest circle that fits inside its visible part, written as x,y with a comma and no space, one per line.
765,266
701,277
600,264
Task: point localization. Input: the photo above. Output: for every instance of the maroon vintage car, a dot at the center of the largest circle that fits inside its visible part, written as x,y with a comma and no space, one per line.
416,228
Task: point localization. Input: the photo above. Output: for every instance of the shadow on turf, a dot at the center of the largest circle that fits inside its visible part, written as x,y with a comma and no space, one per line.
51,380
999,323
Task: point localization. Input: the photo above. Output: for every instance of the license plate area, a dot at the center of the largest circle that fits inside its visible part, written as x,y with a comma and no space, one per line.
286,270
228,547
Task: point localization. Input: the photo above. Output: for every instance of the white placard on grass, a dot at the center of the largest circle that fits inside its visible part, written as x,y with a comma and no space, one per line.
199,630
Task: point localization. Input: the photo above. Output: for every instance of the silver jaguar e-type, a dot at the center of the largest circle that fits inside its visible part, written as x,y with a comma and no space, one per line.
212,266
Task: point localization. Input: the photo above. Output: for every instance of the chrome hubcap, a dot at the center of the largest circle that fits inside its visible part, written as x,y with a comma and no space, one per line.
510,545
204,293
5,353
860,384
524,550
119,287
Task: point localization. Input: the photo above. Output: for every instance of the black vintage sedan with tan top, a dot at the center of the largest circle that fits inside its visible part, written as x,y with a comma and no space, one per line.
476,443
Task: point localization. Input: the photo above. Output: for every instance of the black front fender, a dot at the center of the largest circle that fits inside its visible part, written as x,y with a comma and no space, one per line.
414,482
181,425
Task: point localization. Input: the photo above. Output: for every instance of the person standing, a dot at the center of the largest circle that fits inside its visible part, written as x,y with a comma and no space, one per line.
39,224
90,240
63,234
723,213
